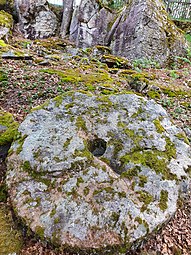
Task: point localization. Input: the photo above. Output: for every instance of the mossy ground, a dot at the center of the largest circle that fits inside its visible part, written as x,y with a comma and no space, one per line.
25,86
10,238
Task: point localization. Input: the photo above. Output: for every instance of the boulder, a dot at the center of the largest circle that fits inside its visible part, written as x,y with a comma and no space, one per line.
149,33
141,29
86,23
36,20
97,173
6,25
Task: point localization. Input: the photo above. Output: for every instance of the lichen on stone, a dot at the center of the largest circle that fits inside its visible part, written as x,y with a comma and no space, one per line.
99,168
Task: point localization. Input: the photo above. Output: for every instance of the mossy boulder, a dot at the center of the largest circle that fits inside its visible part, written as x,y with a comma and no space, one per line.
146,31
8,127
97,173
6,24
137,30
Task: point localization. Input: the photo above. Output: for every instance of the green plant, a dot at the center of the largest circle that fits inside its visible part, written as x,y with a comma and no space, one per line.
174,74
188,38
144,63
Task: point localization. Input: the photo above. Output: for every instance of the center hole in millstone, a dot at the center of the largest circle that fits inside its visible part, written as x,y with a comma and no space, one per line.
97,147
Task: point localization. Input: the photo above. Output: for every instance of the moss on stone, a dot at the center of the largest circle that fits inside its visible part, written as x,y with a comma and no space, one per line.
86,191
183,137
188,170
20,142
106,103
156,160
122,194
131,173
79,181
115,217
58,100
163,202
158,126
170,149
81,124
42,106
40,176
142,180
2,2
6,19
57,220
7,136
145,197
26,166
115,61
118,146
139,111
109,189
67,142
139,220
39,230
70,105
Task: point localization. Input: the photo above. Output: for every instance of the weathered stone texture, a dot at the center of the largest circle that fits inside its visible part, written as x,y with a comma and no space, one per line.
96,172
146,31
141,29
36,20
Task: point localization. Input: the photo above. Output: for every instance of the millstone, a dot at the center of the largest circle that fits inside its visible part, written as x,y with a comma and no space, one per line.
97,172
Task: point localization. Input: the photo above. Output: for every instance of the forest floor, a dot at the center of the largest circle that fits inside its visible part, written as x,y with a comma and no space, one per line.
54,67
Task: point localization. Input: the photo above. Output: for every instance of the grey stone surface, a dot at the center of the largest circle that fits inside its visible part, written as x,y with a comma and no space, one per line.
97,172
139,29
149,33
36,20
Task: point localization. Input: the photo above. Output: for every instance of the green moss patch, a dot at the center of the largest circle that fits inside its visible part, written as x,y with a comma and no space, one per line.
6,19
6,119
163,202
10,238
158,126
3,44
40,231
156,160
76,76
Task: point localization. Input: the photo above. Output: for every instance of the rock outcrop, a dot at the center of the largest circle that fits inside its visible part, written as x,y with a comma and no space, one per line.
141,29
149,33
36,20
97,172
